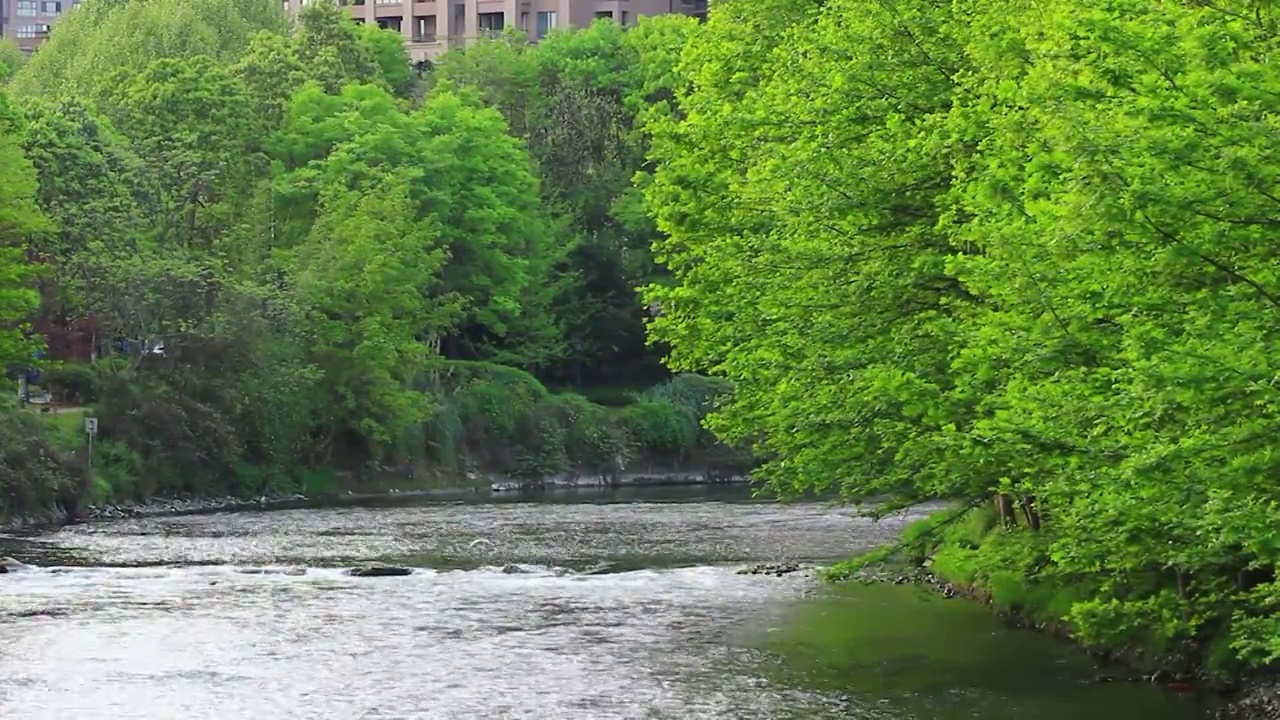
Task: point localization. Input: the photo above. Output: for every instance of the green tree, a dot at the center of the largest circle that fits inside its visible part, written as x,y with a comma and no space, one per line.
20,218
103,37
574,98
386,48
90,179
470,178
271,73
332,49
11,59
191,123
967,249
370,271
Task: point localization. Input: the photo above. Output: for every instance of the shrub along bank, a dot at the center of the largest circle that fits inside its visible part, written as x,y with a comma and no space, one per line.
487,419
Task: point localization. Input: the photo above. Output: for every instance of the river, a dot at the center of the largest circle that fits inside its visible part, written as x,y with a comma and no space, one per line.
156,618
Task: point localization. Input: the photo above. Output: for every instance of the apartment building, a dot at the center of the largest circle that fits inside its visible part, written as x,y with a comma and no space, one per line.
429,27
28,21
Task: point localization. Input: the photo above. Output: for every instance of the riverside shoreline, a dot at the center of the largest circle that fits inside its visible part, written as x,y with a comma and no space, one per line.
475,485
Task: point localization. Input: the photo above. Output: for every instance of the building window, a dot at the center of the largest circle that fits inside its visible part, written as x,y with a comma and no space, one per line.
389,23
424,28
30,32
26,8
491,24
524,23
626,20
546,23
51,7
387,2
604,15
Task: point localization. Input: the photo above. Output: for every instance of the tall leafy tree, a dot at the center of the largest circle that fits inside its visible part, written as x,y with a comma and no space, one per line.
191,123
20,219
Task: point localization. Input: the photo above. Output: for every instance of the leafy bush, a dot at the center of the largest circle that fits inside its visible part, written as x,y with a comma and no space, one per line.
184,446
696,394
34,477
492,398
504,419
594,440
661,429
71,383
116,468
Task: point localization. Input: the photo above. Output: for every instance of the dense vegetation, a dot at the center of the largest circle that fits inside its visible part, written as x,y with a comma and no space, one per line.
1019,254
291,252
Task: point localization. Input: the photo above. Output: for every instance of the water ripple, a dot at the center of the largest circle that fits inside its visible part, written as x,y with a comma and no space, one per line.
164,621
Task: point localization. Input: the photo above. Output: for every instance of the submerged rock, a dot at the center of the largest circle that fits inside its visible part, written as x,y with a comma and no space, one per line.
512,569
379,570
293,571
8,565
774,569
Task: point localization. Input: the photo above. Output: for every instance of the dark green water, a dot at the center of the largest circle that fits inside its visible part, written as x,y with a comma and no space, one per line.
906,652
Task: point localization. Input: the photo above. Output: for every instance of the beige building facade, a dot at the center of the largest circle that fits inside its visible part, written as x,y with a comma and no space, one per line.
432,27
429,27
28,21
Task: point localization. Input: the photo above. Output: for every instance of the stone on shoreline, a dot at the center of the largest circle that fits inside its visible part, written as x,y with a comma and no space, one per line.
377,569
1259,700
175,506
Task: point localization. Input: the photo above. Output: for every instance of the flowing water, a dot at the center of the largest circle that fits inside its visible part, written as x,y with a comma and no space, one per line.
158,618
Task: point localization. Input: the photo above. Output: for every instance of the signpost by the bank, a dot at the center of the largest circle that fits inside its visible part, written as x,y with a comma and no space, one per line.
91,429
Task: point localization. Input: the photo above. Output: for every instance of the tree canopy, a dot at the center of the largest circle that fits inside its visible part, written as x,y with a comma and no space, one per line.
1022,249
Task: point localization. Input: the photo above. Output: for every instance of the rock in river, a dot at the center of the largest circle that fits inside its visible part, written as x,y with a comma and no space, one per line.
8,565
293,571
775,569
379,570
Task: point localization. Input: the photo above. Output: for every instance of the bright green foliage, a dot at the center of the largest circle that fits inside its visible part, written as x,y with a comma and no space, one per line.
328,43
271,73
504,419
90,179
192,125
102,37
20,219
369,272
960,249
386,48
465,176
11,59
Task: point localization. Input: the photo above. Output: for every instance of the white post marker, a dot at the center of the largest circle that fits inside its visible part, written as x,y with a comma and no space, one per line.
91,429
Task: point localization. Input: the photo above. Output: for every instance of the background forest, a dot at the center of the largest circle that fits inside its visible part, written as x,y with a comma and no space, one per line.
289,252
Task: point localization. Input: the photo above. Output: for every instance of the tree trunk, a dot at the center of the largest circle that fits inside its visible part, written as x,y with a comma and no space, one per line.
1004,506
1033,515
